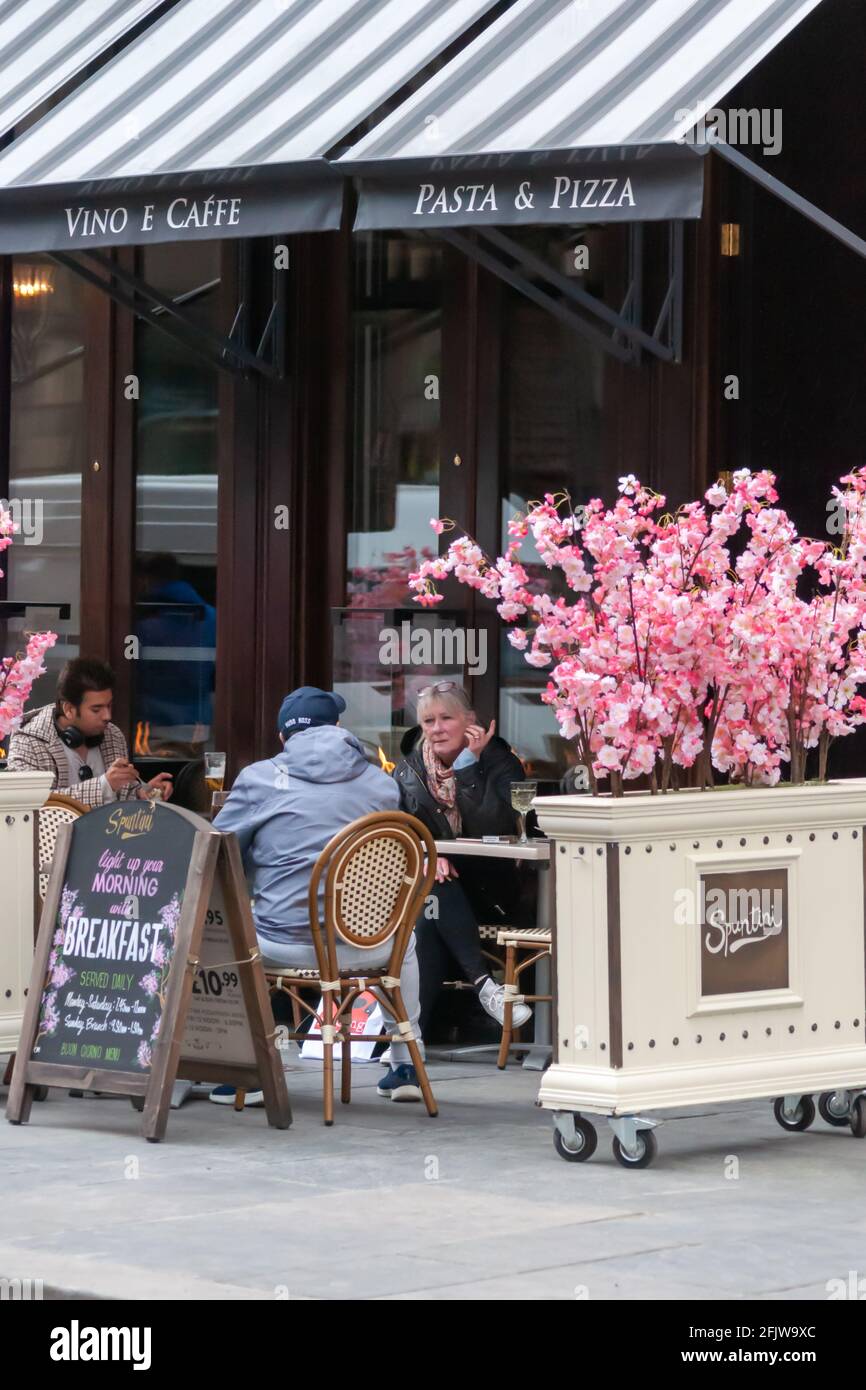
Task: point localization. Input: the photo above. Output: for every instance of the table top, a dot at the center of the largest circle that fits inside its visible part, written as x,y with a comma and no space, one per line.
538,850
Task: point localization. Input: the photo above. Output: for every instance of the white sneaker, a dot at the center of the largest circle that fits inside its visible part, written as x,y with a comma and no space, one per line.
492,997
385,1059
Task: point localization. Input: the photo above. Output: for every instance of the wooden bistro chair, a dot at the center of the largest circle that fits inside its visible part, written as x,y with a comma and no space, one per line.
537,942
377,873
56,811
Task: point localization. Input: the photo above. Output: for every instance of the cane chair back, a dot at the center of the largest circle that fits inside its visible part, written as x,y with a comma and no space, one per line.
376,874
58,810
375,879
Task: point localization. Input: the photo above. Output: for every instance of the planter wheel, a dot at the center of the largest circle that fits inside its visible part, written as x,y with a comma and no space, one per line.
858,1118
137,1102
40,1092
831,1114
803,1117
648,1148
583,1146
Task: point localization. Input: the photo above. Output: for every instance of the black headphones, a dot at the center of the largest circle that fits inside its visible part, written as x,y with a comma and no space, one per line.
73,737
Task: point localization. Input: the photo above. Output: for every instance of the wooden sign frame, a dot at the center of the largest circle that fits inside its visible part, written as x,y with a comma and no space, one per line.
214,854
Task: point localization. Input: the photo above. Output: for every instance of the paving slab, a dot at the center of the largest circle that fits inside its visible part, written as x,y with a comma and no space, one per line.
389,1204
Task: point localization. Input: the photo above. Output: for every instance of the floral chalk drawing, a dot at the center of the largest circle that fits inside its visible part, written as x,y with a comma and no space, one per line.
58,973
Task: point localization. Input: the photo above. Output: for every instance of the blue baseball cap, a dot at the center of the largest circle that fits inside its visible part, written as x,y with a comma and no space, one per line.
307,707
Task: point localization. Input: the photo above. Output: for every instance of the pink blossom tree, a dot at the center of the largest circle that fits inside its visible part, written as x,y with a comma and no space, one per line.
672,655
18,672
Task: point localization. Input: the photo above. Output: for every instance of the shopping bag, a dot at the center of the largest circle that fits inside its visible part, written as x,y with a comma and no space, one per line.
367,1017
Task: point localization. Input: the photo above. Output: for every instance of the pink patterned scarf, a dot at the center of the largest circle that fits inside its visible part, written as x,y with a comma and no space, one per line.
442,785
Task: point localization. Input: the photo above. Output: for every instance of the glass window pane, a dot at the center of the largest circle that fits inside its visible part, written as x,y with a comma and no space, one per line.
552,394
394,484
176,513
48,443
394,478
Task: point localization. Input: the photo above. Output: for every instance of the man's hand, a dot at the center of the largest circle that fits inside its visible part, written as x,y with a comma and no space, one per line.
161,780
477,740
120,774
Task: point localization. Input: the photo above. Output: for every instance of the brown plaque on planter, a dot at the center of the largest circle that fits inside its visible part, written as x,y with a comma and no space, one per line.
744,931
146,967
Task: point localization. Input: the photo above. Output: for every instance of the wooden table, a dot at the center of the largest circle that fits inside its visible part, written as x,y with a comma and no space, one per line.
539,852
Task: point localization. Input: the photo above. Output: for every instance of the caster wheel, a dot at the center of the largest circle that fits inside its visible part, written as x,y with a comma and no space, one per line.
830,1112
647,1150
803,1116
137,1102
858,1118
40,1092
581,1147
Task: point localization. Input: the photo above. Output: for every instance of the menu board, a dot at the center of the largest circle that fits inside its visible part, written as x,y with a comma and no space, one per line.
113,945
147,967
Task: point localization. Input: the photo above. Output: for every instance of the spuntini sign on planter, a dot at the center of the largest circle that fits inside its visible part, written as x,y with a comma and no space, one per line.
146,967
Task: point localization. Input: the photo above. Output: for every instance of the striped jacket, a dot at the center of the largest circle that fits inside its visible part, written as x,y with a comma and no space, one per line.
37,747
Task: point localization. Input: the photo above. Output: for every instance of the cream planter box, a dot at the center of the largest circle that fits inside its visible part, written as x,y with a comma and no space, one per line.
709,946
21,794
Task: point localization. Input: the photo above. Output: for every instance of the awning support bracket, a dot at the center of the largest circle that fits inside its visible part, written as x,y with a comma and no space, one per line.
628,337
787,195
163,314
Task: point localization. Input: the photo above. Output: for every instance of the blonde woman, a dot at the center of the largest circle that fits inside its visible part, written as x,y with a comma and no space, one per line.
456,778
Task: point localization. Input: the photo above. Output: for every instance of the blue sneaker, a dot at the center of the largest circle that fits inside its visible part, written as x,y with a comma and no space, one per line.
225,1095
401,1083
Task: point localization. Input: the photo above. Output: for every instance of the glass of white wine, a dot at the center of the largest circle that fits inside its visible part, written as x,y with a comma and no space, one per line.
214,771
522,797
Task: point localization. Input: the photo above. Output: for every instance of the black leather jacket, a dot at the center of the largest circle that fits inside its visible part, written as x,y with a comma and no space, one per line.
483,792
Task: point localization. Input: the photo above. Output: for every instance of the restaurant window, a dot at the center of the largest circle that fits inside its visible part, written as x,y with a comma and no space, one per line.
551,418
394,474
47,454
176,512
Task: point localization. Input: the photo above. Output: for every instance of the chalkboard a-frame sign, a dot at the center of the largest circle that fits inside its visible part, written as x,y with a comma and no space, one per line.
147,967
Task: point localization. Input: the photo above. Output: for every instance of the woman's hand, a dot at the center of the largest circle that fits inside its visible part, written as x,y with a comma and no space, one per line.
445,870
477,740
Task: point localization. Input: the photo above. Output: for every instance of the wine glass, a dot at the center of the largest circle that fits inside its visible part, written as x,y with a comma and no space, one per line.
522,797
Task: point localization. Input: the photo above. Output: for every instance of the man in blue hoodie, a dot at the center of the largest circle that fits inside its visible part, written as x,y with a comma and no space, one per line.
284,811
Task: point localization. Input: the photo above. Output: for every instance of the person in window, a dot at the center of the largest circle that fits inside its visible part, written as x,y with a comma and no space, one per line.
456,777
174,692
284,811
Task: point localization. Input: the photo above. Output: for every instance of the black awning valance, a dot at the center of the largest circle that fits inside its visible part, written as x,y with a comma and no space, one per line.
141,212
637,184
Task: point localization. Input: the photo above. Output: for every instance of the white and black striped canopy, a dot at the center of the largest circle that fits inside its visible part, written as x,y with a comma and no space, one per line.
237,117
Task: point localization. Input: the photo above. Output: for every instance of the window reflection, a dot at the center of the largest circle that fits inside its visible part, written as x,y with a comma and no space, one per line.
176,513
553,392
47,454
394,490
394,477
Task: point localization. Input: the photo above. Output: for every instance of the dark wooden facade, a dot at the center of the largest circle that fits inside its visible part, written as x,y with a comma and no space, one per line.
784,316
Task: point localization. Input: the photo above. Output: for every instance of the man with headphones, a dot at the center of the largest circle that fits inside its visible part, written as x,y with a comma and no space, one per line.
76,741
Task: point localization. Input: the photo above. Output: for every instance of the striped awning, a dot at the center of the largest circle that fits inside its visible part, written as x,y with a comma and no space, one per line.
236,117
239,99
44,43
554,85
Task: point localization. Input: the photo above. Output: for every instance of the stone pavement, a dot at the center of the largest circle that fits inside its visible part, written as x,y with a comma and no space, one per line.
390,1204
